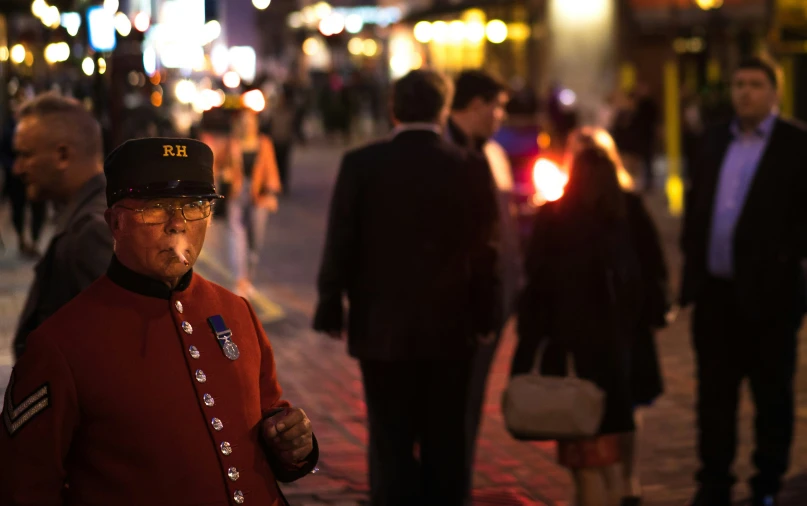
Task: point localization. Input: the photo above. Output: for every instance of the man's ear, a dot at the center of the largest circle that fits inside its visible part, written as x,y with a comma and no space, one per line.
113,220
63,154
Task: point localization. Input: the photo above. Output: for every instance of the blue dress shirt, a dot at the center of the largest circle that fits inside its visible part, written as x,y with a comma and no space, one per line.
736,174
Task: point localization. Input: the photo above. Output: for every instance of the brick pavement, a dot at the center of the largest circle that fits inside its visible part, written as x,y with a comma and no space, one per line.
317,375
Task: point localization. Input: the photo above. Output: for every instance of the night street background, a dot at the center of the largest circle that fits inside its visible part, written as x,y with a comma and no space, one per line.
318,376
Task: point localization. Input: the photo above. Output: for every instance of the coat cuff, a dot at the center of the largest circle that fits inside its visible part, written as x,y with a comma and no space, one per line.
286,474
329,316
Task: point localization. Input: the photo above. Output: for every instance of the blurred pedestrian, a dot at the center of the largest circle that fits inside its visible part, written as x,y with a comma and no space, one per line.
411,242
623,129
14,189
153,382
743,243
477,113
59,158
595,276
646,381
335,106
283,136
254,187
646,123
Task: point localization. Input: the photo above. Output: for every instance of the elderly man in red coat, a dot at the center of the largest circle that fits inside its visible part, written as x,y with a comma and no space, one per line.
154,386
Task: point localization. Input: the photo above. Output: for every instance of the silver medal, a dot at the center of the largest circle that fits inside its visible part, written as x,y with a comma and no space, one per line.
230,350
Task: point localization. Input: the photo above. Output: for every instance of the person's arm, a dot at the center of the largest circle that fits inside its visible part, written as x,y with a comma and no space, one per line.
286,465
486,283
653,265
271,172
266,183
340,247
40,416
534,301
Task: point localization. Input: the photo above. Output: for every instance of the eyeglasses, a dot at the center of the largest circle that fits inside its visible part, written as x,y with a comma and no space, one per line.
159,213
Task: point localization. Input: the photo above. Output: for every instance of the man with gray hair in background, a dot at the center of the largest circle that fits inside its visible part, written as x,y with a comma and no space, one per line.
59,156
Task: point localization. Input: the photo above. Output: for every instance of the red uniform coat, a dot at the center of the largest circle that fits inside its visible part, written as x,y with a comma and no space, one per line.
124,397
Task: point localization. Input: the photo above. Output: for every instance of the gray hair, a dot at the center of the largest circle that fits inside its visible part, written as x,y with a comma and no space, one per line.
69,122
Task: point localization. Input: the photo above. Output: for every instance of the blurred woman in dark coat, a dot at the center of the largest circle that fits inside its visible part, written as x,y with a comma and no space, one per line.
596,289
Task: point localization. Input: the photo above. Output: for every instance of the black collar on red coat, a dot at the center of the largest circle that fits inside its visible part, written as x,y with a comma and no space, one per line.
130,280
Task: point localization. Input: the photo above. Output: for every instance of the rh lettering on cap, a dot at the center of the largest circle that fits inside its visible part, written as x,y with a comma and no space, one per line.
168,150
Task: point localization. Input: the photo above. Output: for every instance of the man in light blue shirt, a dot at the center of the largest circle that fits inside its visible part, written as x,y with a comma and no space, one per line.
744,239
736,174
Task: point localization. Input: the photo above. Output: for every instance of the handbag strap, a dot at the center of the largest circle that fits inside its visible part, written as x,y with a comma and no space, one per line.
571,372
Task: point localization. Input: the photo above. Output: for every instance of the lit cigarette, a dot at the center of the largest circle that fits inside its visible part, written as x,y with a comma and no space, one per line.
181,257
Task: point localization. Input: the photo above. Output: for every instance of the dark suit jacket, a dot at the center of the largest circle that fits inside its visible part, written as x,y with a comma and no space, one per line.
78,254
412,242
510,261
770,239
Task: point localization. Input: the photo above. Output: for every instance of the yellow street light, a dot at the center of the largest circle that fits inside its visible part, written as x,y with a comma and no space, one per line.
261,4
122,24
475,31
231,79
456,31
57,52
4,53
423,32
496,31
101,66
370,47
39,7
311,46
185,91
709,4
88,66
439,31
18,53
355,46
322,9
51,17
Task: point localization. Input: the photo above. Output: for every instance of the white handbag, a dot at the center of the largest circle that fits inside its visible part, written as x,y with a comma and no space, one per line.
540,408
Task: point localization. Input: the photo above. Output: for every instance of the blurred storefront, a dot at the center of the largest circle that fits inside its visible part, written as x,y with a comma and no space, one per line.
495,35
788,40
146,67
541,46
706,38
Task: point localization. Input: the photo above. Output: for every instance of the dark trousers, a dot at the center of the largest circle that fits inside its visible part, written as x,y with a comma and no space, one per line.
283,158
730,346
421,402
19,200
476,403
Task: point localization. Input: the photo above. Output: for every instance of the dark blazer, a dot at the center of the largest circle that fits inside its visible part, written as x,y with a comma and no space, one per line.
412,243
510,259
78,254
770,239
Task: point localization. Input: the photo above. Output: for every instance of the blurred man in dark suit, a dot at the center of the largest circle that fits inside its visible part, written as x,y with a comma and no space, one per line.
744,239
412,243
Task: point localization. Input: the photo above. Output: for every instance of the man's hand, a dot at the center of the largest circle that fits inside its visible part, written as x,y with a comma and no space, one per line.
289,434
672,314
